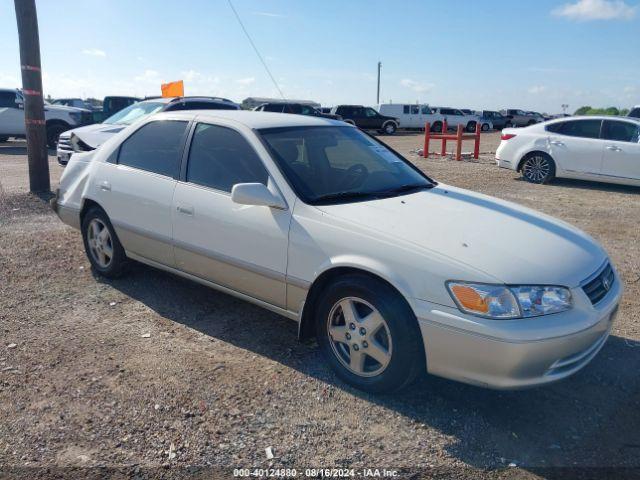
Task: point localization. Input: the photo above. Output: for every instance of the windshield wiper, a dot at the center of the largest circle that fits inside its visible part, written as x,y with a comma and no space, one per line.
409,187
344,196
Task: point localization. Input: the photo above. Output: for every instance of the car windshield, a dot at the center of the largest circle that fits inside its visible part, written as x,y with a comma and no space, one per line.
340,164
134,112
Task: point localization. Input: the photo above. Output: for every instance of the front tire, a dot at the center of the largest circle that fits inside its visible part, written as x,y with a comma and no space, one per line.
485,127
369,334
471,127
3,139
53,133
389,128
101,244
538,168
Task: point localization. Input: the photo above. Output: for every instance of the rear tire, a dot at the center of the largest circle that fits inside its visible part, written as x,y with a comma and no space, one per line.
376,346
3,139
436,127
538,167
471,127
102,245
485,127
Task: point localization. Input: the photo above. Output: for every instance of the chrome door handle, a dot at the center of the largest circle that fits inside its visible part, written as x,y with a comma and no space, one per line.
557,143
613,148
105,186
185,210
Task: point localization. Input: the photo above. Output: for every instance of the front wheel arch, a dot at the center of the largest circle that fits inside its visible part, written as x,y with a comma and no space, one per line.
306,329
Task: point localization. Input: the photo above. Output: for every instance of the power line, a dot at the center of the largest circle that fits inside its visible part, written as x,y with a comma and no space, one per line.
256,49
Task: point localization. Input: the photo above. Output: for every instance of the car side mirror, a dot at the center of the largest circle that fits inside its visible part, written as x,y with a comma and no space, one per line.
20,105
256,194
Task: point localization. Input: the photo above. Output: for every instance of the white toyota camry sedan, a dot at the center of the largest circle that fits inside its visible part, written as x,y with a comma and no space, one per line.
603,149
393,273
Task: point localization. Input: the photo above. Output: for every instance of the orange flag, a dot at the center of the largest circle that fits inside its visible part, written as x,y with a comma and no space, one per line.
173,89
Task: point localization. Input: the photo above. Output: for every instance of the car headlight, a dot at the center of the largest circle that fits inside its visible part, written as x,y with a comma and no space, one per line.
502,302
78,145
76,116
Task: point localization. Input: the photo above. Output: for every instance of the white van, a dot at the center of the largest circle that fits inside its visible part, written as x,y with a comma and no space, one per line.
411,116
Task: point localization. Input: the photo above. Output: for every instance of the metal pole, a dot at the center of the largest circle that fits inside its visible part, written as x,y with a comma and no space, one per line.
27,19
378,96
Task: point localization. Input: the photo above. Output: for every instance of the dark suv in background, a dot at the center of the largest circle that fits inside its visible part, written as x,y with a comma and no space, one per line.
295,108
367,118
498,120
635,112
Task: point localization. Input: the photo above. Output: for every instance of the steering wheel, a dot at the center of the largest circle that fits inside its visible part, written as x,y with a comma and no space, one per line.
354,176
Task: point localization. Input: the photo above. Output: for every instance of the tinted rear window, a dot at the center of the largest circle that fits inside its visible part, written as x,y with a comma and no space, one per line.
156,147
577,128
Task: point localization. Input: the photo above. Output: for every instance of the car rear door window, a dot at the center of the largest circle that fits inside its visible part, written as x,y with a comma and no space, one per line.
156,147
220,157
635,113
406,109
620,131
581,128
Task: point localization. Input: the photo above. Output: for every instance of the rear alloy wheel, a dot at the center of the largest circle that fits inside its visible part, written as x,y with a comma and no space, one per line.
436,127
471,127
485,127
538,168
368,334
101,243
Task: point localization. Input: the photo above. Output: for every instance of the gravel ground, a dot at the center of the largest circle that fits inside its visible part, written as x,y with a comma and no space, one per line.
151,374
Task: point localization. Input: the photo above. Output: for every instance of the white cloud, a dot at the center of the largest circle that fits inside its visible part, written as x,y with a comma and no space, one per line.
269,14
537,89
9,81
585,10
94,52
246,81
149,76
416,86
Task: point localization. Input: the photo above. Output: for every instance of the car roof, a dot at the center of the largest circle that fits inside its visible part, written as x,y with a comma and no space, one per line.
255,120
595,117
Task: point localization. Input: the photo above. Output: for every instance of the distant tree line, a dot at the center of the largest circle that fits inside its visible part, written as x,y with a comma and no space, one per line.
602,111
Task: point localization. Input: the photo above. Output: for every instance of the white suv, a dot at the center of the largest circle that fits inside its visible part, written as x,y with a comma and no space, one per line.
58,117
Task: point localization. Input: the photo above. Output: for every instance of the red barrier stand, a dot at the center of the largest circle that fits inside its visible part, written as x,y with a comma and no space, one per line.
459,137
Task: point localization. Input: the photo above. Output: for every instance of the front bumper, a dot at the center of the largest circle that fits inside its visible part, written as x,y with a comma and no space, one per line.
516,353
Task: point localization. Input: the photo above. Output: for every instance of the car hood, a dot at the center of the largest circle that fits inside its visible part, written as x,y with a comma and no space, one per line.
64,108
511,243
96,134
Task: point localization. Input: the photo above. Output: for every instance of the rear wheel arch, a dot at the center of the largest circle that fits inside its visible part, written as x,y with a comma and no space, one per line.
87,204
529,154
306,329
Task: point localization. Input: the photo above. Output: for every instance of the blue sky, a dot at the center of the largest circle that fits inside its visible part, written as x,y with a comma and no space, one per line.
531,54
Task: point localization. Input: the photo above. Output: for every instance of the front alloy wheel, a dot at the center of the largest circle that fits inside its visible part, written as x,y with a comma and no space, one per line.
390,128
360,337
538,169
368,333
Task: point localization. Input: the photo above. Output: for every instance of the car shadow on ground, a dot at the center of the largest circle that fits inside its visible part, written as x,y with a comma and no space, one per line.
589,420
19,148
589,185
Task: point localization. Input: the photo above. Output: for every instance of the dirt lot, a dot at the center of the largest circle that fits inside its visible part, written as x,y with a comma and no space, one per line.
216,381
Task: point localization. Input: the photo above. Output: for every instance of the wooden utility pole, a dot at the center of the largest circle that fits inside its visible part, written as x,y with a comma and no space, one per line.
378,95
27,19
